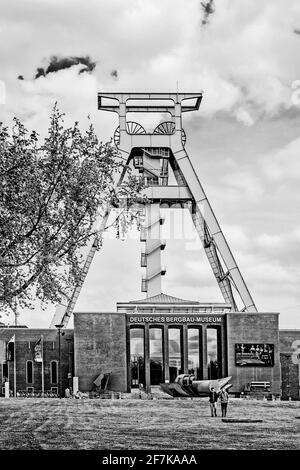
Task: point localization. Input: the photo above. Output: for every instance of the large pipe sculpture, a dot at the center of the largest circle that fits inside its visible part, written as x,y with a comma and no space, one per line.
185,385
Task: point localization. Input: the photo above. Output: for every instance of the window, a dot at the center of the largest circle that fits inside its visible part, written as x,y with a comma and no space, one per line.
30,389
29,372
4,371
53,372
156,356
143,260
213,360
137,363
175,356
10,351
194,352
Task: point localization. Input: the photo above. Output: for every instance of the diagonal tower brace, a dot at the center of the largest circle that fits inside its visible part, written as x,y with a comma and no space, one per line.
169,135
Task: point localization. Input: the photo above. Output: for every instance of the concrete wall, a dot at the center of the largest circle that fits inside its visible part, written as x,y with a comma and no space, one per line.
25,340
100,347
253,328
289,345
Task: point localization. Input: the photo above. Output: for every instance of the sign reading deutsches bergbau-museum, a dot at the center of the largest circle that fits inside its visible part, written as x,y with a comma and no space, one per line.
175,319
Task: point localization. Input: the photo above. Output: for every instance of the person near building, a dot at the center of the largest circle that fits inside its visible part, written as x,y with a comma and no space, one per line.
224,402
213,398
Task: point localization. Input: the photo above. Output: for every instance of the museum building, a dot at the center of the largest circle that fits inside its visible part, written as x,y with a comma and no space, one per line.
151,341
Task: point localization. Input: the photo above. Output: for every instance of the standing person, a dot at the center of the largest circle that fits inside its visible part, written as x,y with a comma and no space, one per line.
213,398
224,402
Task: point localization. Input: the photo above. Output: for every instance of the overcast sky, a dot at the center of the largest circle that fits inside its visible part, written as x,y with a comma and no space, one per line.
244,142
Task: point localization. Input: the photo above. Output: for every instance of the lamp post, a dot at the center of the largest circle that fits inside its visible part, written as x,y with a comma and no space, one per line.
59,327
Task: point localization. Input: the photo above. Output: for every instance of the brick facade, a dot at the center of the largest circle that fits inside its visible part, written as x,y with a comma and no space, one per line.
289,345
25,340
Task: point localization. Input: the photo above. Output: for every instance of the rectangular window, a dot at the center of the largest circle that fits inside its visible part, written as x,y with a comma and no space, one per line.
175,354
194,352
156,356
143,260
4,371
10,351
137,363
30,389
29,372
53,372
213,354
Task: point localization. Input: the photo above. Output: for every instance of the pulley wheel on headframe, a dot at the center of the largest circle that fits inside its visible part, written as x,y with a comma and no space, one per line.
168,127
131,128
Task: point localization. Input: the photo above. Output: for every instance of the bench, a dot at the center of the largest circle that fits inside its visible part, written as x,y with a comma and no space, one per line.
260,386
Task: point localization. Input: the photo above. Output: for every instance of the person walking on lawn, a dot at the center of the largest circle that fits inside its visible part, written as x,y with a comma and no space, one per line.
213,398
224,402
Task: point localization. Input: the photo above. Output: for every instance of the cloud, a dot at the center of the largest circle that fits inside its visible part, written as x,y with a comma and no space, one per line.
61,63
244,116
269,241
236,236
208,10
244,142
284,164
75,93
114,73
244,60
244,183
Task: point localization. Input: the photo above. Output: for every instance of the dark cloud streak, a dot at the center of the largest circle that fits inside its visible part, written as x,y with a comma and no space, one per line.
61,63
114,74
208,9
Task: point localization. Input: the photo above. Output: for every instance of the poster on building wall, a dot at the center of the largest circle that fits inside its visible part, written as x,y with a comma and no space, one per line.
253,354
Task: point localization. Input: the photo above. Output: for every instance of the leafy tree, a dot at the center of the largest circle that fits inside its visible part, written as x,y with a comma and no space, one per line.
51,196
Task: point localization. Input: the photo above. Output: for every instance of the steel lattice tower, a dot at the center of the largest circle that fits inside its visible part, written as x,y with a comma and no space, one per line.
154,155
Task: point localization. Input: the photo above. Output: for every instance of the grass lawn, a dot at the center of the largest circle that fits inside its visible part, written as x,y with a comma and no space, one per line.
28,423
